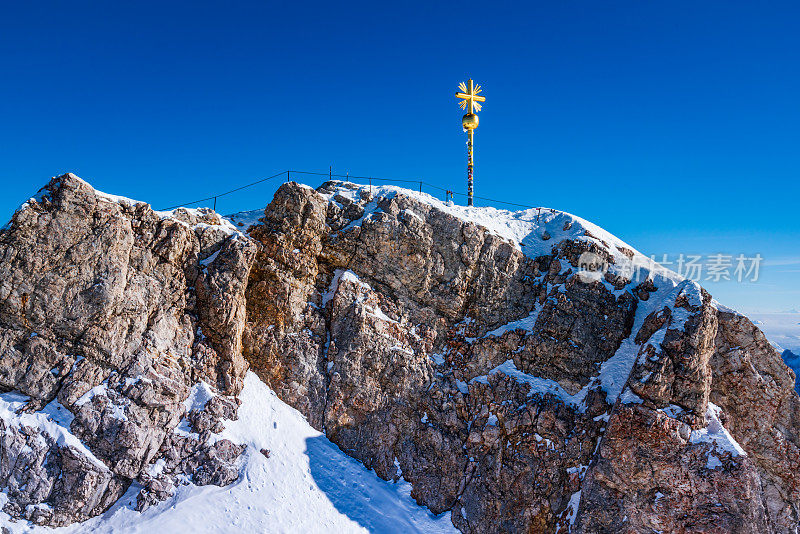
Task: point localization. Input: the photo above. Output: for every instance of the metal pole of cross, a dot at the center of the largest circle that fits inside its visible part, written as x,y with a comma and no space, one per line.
470,102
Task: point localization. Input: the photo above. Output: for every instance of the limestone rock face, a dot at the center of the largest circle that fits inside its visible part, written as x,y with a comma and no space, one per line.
469,351
505,387
50,484
109,312
654,466
648,477
755,388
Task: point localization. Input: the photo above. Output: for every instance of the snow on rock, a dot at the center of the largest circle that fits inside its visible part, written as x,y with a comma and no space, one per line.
127,297
53,420
106,196
349,276
199,396
198,214
209,260
716,434
339,275
534,231
245,219
572,512
541,386
305,485
98,390
526,323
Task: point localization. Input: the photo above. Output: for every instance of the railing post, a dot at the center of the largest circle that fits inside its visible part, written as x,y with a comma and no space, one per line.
287,176
215,203
420,186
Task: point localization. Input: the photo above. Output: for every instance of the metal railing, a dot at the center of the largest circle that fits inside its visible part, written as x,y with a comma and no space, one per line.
421,184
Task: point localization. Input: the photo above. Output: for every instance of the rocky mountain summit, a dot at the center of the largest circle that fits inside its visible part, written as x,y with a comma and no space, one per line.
525,371
110,313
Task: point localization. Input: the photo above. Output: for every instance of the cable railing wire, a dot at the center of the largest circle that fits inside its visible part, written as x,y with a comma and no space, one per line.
288,174
214,197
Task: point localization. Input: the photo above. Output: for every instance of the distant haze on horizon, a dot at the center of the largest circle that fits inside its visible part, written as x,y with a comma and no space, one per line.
675,127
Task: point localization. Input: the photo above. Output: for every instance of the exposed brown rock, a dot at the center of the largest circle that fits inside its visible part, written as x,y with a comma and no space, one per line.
378,326
114,310
647,477
422,344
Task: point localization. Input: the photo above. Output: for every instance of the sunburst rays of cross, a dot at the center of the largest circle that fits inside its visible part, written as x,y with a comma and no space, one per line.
469,95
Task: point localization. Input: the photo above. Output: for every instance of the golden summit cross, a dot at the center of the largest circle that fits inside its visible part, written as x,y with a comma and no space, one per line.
469,94
470,102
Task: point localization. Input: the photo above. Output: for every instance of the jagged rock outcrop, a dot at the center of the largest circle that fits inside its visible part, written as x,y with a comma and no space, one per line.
109,313
505,386
656,470
526,371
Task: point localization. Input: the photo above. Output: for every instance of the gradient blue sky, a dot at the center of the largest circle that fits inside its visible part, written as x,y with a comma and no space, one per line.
675,125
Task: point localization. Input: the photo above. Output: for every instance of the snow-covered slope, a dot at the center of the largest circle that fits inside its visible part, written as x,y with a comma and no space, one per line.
306,485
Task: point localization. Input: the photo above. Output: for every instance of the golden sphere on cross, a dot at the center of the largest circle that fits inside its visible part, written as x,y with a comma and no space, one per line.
469,121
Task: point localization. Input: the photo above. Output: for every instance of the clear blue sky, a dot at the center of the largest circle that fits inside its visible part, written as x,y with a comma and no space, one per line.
675,125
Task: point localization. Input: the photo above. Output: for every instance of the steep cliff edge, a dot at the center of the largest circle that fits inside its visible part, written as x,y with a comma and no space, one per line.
525,370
